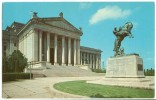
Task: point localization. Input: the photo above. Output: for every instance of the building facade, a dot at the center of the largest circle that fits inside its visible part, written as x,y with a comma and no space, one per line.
10,38
55,41
91,57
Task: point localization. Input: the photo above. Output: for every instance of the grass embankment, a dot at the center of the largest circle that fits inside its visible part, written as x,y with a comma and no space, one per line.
102,91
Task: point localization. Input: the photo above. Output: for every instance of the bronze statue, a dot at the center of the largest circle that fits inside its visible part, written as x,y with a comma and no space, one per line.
120,34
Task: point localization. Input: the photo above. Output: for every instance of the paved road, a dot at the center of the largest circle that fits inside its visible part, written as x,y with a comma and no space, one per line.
39,88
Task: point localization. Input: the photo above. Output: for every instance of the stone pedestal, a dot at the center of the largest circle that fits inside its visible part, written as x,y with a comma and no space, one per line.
125,66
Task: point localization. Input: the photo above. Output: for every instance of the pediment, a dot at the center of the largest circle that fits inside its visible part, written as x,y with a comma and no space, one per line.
62,24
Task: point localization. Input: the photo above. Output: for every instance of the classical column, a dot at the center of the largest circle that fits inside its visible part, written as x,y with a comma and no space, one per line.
69,51
45,47
90,55
63,50
75,52
81,57
84,58
93,62
23,46
40,39
55,49
97,58
78,52
87,58
26,45
99,61
48,47
35,45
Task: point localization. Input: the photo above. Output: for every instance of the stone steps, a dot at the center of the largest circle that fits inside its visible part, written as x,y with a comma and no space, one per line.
62,71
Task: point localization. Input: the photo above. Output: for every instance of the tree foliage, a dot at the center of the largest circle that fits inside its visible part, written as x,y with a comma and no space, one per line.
16,62
149,72
4,63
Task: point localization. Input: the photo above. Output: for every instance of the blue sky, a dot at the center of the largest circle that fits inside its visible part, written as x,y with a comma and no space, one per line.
97,20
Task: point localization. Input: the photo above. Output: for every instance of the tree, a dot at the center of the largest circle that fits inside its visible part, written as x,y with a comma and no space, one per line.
149,72
17,61
4,64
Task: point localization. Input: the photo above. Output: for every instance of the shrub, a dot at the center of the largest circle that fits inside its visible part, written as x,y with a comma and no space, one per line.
97,96
149,72
13,76
4,64
16,62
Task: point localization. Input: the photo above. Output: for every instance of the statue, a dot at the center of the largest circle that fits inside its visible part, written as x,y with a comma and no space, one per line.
120,34
34,15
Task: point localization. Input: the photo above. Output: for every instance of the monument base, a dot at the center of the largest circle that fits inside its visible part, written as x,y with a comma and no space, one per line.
125,67
126,82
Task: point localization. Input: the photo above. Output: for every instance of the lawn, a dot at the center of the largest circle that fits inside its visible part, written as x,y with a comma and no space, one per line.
102,91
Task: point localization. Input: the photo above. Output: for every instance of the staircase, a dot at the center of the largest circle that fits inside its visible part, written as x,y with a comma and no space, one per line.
60,71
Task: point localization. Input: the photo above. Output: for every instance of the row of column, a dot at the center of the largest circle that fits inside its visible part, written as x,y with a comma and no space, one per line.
76,49
94,60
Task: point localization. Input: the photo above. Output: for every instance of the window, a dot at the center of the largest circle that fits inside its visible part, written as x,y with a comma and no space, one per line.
14,44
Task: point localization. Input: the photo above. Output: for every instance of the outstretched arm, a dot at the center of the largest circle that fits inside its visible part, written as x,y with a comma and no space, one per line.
115,31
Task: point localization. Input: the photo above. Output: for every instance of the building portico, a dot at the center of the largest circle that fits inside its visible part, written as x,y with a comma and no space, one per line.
55,48
53,40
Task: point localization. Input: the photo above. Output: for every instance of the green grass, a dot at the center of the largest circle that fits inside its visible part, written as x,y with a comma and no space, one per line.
102,91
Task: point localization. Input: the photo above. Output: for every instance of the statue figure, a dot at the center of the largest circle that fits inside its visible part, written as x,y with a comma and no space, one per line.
120,34
121,51
34,15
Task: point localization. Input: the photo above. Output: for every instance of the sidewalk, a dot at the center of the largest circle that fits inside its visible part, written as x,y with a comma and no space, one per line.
39,88
42,87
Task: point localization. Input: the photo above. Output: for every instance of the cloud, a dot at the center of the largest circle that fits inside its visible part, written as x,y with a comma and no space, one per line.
85,5
109,12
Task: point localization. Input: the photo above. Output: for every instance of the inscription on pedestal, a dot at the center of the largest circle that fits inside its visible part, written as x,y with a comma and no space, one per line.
140,67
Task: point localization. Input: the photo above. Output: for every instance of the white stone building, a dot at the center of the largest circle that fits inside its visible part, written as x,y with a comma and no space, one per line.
55,41
10,39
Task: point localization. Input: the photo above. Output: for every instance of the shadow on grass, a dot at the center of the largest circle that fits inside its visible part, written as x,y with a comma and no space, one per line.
101,96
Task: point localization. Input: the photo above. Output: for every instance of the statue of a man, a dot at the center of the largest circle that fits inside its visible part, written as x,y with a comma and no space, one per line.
120,34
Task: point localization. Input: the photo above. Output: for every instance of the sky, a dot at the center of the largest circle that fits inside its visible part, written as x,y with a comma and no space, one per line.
97,19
